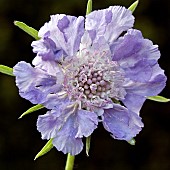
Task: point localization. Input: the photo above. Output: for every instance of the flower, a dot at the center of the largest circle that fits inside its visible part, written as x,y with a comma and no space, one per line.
88,71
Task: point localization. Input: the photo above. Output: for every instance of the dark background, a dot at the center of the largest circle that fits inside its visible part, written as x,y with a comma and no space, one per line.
19,139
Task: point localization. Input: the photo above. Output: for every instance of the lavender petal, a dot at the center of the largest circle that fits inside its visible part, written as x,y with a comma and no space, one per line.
122,123
110,22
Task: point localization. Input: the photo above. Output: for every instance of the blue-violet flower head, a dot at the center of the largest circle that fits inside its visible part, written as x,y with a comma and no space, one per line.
90,70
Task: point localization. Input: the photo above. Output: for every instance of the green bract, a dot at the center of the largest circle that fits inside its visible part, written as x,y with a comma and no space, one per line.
32,109
132,141
88,139
31,31
159,99
6,70
89,7
45,149
133,6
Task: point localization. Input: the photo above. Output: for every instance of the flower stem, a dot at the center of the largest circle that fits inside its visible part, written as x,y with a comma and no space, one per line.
70,162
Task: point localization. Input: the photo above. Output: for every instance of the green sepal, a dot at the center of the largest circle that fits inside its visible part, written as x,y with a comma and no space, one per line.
133,6
29,30
6,70
32,109
48,146
159,99
115,101
88,140
132,141
89,7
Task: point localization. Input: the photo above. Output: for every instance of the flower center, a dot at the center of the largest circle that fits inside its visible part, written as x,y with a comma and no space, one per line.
93,80
91,83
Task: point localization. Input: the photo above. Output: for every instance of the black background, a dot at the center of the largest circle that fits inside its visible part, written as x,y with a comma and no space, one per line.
19,139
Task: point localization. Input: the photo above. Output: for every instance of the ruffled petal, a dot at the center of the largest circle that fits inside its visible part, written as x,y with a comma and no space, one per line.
122,123
47,124
68,139
34,84
53,125
141,71
110,23
50,67
67,125
46,48
54,101
66,142
134,102
86,122
60,37
151,88
53,121
138,58
135,54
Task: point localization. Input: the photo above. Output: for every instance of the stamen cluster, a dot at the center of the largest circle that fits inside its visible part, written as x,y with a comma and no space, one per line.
91,83
93,78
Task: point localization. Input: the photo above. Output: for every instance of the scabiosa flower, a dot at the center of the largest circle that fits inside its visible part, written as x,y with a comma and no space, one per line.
90,70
